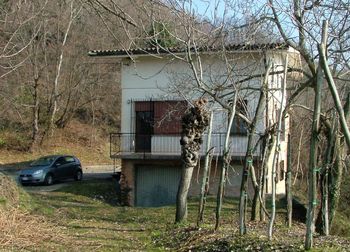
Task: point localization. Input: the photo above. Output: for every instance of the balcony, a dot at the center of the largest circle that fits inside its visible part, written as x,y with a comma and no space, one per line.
137,146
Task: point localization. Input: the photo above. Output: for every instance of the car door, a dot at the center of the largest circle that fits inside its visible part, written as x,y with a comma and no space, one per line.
71,166
60,168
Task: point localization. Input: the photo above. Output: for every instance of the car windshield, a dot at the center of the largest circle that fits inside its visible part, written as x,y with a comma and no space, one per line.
43,161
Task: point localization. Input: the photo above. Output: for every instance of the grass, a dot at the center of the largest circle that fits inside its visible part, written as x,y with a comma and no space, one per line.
89,212
87,217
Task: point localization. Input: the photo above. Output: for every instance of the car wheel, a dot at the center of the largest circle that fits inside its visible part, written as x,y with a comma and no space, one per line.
78,176
49,179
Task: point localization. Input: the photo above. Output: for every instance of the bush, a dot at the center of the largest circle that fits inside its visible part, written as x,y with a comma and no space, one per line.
14,141
2,143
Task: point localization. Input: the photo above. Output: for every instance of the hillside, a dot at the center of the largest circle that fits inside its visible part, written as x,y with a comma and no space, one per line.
90,144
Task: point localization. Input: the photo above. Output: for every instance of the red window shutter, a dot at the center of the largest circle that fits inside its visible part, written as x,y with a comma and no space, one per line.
167,116
143,106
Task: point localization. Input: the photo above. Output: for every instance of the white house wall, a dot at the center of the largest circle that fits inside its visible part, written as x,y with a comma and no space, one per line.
151,77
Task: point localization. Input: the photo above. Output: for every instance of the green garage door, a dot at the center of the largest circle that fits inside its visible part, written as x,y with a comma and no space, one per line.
156,185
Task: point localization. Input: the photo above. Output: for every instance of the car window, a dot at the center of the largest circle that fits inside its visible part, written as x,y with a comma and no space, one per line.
69,159
60,161
43,161
76,160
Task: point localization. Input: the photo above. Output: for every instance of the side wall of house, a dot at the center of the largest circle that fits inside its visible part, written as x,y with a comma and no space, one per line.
275,103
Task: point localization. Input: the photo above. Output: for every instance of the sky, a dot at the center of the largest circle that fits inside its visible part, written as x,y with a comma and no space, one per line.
215,9
208,8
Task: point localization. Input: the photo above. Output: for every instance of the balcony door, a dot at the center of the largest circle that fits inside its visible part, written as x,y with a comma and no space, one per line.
144,131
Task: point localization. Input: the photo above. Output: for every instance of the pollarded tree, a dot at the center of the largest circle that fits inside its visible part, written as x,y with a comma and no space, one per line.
194,123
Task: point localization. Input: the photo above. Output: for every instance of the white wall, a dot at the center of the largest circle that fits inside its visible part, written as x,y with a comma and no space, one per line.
153,78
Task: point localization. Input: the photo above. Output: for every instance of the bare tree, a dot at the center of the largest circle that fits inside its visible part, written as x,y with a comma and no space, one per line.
74,13
44,68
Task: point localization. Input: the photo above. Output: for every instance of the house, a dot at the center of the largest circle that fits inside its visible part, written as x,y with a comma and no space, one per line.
148,144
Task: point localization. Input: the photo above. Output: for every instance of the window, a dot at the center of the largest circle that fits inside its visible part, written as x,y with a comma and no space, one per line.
239,126
69,159
60,161
159,117
167,117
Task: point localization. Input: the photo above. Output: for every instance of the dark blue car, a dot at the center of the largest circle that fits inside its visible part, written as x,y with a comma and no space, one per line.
48,169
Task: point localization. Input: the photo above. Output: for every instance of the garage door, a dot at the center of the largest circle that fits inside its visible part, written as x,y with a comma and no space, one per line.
156,185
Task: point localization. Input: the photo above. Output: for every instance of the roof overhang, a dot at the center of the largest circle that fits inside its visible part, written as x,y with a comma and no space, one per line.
157,51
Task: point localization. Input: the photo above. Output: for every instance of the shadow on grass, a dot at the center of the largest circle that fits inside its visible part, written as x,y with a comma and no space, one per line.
108,229
104,190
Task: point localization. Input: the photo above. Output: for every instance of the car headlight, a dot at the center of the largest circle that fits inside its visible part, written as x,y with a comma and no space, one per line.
38,173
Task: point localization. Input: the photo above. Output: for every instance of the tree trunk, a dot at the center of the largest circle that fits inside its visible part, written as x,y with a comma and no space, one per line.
331,178
322,220
244,195
336,178
225,164
248,164
322,49
55,92
337,171
206,172
312,174
289,196
256,199
181,198
35,123
262,179
276,154
194,123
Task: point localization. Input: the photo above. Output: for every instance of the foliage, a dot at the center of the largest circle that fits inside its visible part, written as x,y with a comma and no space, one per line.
14,140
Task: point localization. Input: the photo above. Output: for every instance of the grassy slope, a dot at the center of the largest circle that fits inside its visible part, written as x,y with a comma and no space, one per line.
90,217
341,224
90,145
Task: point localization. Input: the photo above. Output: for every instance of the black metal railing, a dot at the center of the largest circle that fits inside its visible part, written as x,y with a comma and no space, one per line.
169,144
